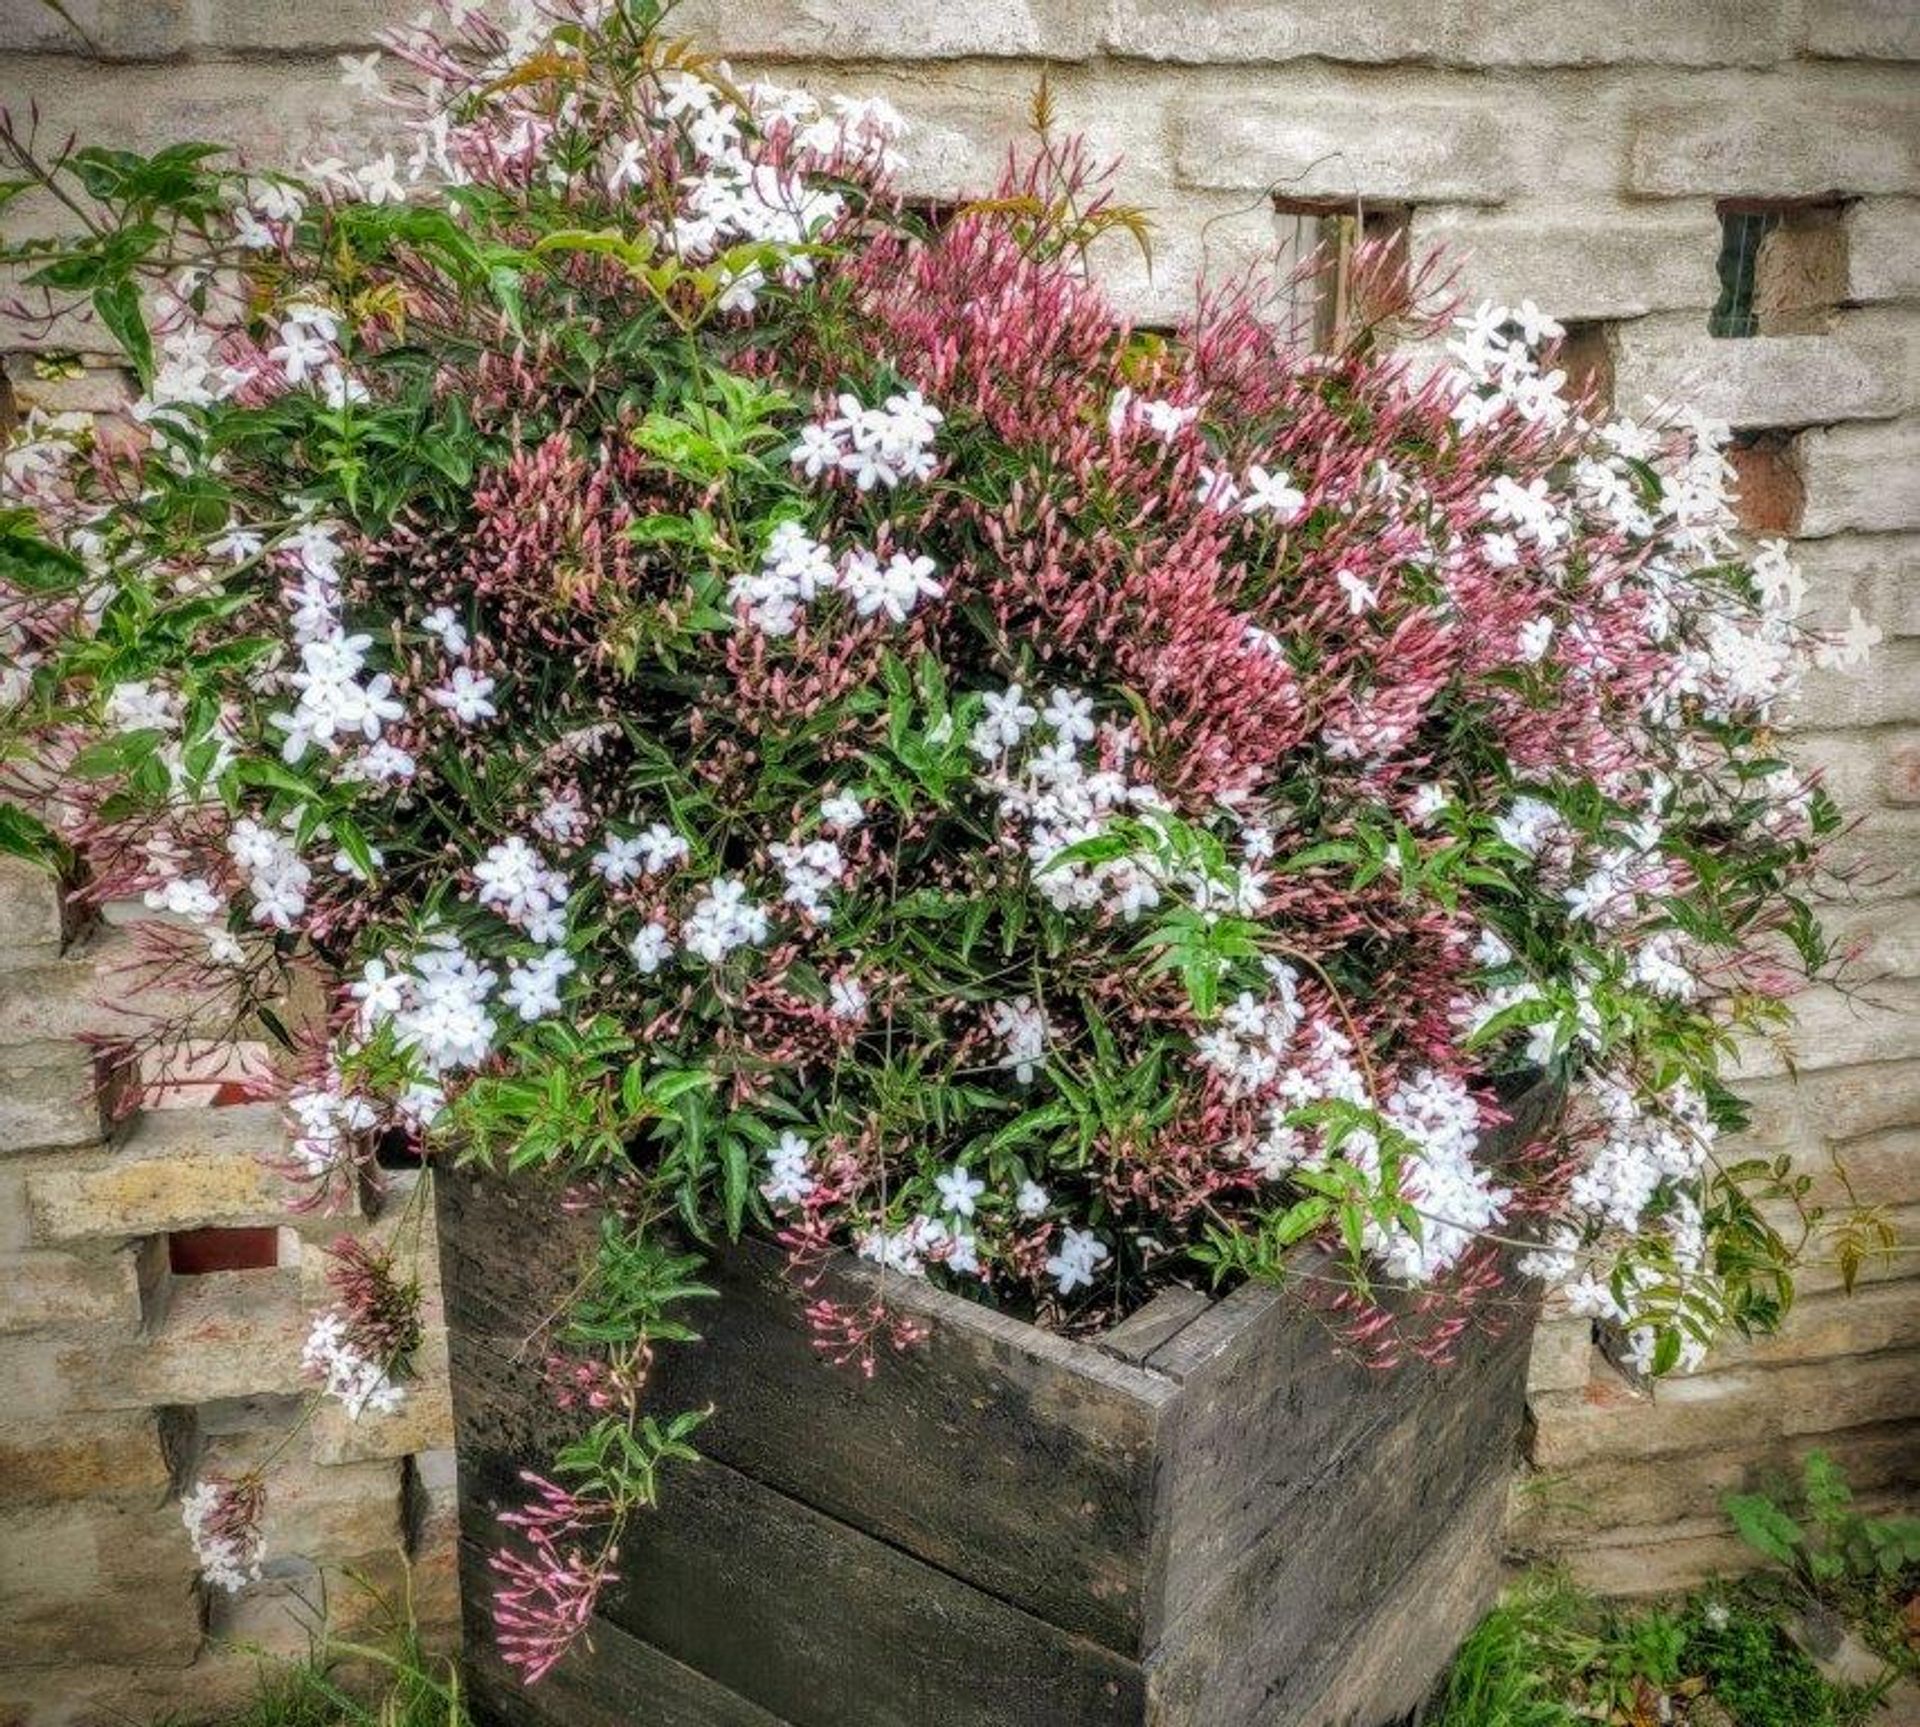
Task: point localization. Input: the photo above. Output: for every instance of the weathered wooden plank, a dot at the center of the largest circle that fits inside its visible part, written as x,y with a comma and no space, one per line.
1318,1577
1143,1332
1386,1670
1010,1457
614,1680
1016,1459
827,1627
1268,1403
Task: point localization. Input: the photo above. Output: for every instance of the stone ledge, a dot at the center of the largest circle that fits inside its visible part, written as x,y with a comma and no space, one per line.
83,1457
109,1582
1630,1493
51,1099
34,917
1761,381
1346,145
1787,145
909,30
1734,1410
1619,262
172,1169
1862,478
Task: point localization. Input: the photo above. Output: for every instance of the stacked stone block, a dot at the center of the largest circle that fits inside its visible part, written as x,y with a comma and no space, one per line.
1577,155
121,1379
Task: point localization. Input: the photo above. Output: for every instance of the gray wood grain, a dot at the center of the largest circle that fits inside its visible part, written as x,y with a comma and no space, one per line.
1022,1462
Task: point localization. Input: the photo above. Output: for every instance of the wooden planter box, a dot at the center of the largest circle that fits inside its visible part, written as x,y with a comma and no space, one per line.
1207,1518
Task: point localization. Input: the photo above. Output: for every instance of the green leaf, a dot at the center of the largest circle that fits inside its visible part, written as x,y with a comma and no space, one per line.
1764,1527
23,835
117,305
31,563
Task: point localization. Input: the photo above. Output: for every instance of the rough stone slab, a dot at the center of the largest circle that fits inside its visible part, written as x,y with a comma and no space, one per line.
1654,32
1197,237
97,1581
1563,1357
171,1170
1789,145
1838,1104
34,920
1265,31
1762,381
82,1457
1885,691
423,1422
1862,478
1883,247
108,29
1831,1327
287,27
278,112
1833,1030
1735,1409
1881,1169
1886,935
49,1098
107,987
1879,857
783,30
1879,573
1863,29
316,1511
1346,146
89,1692
50,1288
1643,1493
1610,263
1666,1559
235,1335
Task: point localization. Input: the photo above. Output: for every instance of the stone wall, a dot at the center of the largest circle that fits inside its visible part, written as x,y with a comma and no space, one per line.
1578,154
156,1283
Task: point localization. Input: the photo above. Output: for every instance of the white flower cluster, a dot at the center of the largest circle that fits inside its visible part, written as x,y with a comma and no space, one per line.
908,1248
277,877
736,197
1051,794
811,871
533,986
1024,1034
436,1003
1074,1260
360,1384
1249,1046
723,919
328,1123
1456,1200
876,446
797,569
653,851
1498,371
1166,420
789,1171
517,882
227,1561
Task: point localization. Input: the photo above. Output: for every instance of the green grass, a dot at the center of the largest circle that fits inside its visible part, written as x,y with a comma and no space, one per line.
386,1678
1550,1655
